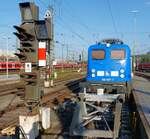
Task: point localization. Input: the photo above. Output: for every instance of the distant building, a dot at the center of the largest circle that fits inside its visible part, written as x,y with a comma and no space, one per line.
11,56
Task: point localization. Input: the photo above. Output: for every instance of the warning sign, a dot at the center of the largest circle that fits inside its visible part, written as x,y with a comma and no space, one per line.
28,67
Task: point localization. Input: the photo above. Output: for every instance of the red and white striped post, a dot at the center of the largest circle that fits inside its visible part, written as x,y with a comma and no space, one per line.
42,54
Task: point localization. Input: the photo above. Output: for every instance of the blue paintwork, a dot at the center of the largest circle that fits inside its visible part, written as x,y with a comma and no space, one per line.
108,64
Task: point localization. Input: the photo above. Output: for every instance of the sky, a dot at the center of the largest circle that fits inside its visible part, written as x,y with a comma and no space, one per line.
80,23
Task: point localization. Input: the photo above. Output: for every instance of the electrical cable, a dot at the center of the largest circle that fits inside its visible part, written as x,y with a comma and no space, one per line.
112,17
68,27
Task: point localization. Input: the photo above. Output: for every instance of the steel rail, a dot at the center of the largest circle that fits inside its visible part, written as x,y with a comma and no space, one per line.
47,99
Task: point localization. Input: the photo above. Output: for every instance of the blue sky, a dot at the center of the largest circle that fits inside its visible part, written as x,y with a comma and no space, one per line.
80,23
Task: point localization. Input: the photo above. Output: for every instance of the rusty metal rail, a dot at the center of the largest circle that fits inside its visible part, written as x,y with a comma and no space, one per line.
15,86
61,93
10,115
143,74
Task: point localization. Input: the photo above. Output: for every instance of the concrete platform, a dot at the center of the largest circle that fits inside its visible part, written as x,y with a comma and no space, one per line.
142,97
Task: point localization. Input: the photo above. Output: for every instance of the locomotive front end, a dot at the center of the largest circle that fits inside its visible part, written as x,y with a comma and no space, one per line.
109,63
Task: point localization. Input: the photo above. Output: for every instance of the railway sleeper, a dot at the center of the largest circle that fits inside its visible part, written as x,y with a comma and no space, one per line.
125,131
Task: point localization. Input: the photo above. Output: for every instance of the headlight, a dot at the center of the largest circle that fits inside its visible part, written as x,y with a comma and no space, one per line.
93,70
122,76
122,71
93,75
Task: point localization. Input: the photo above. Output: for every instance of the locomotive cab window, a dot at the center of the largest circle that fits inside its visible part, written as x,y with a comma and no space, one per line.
98,54
117,54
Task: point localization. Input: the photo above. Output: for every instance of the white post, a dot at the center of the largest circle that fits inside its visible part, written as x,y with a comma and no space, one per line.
7,58
135,43
7,45
45,117
62,53
30,125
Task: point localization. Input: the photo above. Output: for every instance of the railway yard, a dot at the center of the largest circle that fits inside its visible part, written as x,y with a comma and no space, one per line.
60,84
61,100
13,95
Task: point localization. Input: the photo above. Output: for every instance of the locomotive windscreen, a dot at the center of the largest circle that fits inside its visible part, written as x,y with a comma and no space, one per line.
98,54
117,54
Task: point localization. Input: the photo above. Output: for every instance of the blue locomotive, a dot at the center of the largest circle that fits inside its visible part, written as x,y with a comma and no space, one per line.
109,64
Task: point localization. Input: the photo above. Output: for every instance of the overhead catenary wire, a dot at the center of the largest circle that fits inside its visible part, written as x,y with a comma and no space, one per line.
112,17
60,22
78,21
68,26
43,3
86,27
68,8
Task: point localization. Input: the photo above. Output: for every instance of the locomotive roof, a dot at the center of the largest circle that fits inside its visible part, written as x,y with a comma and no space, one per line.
111,41
112,46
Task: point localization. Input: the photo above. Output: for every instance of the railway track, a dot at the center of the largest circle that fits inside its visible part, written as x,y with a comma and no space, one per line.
9,116
60,92
143,74
8,87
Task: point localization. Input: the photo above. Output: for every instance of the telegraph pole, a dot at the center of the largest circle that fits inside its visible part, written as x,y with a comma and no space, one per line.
135,41
49,14
52,52
82,59
62,57
67,58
